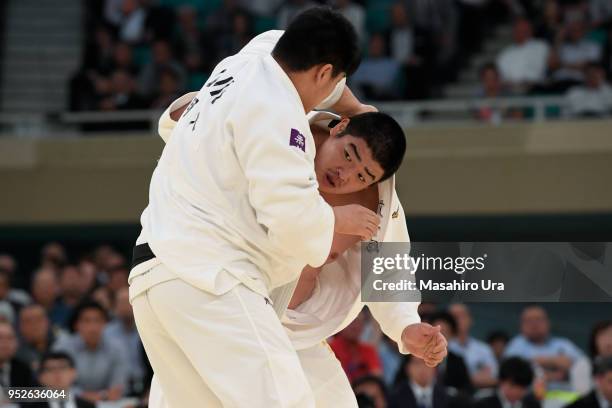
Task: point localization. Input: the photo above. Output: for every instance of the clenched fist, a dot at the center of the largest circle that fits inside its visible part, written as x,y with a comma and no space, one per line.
425,342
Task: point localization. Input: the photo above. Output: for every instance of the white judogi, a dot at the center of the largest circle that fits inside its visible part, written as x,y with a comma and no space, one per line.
336,299
234,211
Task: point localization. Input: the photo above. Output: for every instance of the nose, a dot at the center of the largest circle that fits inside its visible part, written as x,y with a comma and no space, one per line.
346,172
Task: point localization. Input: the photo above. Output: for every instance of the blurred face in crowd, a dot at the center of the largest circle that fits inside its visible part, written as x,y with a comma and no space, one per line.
33,324
377,46
122,82
188,18
90,326
345,164
603,342
595,77
399,17
45,288
534,324
418,372
8,263
372,390
462,315
118,278
604,384
522,31
57,373
123,55
123,308
5,284
576,30
129,6
161,52
88,275
551,11
512,392
498,346
70,281
53,253
490,81
8,342
102,296
168,83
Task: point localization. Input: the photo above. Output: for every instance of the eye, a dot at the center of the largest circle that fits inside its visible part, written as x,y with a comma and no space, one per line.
361,178
347,156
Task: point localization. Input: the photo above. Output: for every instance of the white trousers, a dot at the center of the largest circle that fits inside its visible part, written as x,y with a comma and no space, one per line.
328,381
210,351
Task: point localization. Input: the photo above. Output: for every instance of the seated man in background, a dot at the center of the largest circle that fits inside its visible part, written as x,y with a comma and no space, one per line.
594,98
555,355
601,396
101,363
57,371
13,373
515,379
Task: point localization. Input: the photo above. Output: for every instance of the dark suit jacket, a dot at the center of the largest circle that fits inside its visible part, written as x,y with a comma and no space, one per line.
21,375
80,403
403,397
588,401
455,374
494,402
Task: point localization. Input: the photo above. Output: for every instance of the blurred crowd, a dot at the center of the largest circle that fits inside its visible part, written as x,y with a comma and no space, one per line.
73,327
142,54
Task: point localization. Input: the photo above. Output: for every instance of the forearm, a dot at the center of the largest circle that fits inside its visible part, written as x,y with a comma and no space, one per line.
305,286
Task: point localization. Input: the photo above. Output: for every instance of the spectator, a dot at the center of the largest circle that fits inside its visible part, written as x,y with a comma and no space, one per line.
132,24
600,341
13,373
572,55
594,98
491,88
121,93
416,386
163,59
358,359
9,264
523,63
498,340
102,370
8,307
555,355
190,43
117,278
233,41
37,336
478,356
515,379
89,278
600,13
454,373
550,26
71,286
376,77
53,255
122,329
104,297
45,291
290,9
373,387
354,13
601,395
57,371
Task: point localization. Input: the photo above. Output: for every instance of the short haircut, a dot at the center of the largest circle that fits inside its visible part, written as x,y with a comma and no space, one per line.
55,355
87,304
517,371
602,365
371,379
445,317
486,67
497,335
599,328
319,36
383,135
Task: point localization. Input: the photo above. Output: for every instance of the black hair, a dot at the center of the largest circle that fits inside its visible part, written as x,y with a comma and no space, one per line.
498,335
87,304
516,370
602,365
383,135
371,379
599,328
319,36
445,317
55,355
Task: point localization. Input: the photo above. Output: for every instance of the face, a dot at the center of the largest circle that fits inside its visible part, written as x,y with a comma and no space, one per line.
418,372
70,281
33,323
372,390
462,316
604,384
123,308
498,346
8,342
512,392
345,164
522,31
57,374
377,46
594,77
45,287
490,79
90,326
603,342
534,324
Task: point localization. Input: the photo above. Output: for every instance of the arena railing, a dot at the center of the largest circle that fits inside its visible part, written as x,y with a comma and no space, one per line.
409,114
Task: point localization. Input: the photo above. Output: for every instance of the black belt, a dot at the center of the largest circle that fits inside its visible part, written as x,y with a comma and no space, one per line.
141,253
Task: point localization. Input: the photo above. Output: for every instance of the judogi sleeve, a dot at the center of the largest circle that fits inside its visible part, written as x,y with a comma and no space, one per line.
283,186
394,316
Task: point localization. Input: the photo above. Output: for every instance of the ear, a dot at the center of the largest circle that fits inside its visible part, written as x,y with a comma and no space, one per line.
324,73
340,127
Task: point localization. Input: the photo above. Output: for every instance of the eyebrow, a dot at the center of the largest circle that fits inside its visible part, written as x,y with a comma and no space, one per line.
359,158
